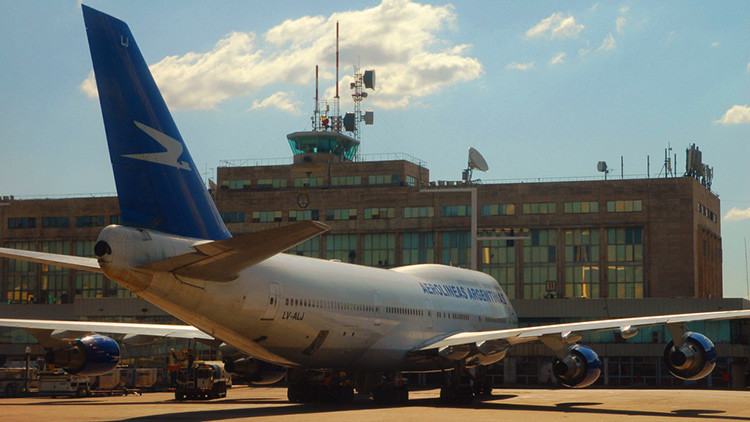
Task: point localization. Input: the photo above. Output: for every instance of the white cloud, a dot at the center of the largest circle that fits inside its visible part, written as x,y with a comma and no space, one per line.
748,68
624,9
736,115
557,59
582,52
715,44
736,214
594,7
556,26
280,100
520,66
620,24
608,44
397,38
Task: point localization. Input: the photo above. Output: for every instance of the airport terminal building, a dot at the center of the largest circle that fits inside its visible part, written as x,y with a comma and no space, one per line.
563,251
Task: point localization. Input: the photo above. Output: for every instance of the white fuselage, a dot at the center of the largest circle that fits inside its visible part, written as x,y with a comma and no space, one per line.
313,313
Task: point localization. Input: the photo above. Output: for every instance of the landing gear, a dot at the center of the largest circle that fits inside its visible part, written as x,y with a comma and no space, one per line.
461,394
391,390
461,386
330,387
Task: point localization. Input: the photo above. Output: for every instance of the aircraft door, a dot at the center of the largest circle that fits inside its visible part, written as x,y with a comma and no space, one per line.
378,309
429,316
272,306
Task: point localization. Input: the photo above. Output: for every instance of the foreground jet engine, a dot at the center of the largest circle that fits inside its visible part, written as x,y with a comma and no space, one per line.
580,368
693,359
91,355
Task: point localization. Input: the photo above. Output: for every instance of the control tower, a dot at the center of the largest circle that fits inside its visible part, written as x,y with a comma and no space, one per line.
326,142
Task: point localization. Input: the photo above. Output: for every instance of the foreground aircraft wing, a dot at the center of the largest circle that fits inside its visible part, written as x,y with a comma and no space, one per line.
222,260
67,261
87,327
563,332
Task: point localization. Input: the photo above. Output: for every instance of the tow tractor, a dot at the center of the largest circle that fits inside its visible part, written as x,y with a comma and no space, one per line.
201,381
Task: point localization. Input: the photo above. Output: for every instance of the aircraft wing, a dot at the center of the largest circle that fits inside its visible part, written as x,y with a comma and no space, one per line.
222,260
67,261
570,330
88,327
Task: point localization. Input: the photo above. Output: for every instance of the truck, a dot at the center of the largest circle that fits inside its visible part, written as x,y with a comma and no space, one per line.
201,380
15,381
59,383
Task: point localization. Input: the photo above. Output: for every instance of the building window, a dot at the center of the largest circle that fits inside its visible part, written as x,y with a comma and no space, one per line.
540,208
346,180
499,261
418,212
115,219
90,221
379,249
625,206
233,217
540,264
55,281
20,281
22,223
310,247
266,216
271,183
303,215
417,248
342,247
625,262
342,214
236,184
456,211
498,209
582,263
308,182
379,213
581,207
383,179
55,222
456,248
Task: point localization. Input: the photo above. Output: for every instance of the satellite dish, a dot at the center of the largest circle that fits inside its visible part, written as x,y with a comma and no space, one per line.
476,161
601,166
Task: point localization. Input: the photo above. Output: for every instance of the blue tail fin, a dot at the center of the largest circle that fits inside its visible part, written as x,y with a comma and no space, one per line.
158,185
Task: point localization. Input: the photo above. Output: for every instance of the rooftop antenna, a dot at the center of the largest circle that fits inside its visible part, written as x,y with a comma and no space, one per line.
601,167
667,167
476,161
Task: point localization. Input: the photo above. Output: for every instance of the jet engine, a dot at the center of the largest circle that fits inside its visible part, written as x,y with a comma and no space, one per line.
692,360
91,355
255,371
580,368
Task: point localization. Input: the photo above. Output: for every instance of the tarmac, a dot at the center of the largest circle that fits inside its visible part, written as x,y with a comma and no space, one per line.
244,403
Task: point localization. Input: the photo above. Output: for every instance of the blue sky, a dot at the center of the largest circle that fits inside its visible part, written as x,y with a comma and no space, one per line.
541,88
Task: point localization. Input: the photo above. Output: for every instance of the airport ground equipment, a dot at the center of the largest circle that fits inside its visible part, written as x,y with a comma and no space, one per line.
201,381
59,383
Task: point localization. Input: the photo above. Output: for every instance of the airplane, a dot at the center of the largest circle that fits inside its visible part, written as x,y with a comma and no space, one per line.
274,314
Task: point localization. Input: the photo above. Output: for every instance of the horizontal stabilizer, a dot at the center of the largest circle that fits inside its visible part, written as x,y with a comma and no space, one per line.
67,261
222,260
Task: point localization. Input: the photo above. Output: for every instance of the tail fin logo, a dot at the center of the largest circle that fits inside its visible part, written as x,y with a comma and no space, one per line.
170,157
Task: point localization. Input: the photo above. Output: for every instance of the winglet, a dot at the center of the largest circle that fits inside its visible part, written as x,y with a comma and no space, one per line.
222,260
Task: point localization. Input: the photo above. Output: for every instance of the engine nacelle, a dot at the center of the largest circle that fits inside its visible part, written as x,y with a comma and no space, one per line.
693,360
579,369
91,355
255,371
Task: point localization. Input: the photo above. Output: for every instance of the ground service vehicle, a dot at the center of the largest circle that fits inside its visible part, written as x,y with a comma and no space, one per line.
201,381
